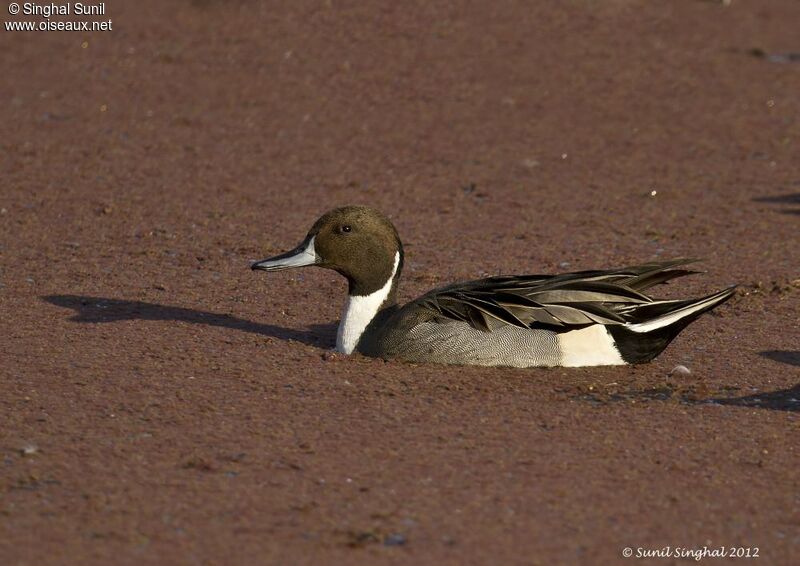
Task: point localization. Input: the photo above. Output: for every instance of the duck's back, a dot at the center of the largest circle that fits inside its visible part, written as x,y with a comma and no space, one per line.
574,319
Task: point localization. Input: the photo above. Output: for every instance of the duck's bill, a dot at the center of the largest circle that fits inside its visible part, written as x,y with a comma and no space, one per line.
302,255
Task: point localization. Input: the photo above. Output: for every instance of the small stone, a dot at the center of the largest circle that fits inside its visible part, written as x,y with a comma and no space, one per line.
680,370
394,540
330,356
29,450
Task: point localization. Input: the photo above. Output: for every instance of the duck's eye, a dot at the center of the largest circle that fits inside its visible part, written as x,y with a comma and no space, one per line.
346,228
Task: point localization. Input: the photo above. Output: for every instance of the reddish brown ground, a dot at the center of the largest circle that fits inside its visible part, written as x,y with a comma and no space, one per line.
178,408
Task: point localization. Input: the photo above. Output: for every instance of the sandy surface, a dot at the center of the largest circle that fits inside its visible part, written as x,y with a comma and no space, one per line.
160,403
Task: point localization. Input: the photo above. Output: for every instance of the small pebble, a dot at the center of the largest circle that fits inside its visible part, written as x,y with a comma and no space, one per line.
329,356
394,540
29,450
680,370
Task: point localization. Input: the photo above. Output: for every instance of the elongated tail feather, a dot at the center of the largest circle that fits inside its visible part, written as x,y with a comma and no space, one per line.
692,310
642,341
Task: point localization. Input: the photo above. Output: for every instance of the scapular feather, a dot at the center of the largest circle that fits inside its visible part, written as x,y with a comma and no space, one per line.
561,302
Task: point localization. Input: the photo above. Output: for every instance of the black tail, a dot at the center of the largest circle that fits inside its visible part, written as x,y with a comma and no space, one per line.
653,326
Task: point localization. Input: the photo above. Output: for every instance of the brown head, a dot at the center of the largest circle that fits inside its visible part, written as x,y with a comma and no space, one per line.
357,241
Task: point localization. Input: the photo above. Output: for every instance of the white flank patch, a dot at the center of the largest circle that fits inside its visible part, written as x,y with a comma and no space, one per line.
359,312
590,346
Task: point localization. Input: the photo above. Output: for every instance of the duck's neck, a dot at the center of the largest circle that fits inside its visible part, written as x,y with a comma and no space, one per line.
360,310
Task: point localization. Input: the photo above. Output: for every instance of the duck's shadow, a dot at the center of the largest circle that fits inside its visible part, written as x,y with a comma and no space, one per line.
781,400
101,309
787,199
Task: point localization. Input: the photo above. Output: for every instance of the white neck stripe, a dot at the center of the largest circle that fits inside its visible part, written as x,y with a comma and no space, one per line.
359,312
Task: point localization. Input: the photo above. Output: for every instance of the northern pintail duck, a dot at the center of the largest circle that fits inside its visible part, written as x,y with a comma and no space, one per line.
585,318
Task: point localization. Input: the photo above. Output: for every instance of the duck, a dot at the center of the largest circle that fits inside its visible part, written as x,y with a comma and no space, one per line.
577,319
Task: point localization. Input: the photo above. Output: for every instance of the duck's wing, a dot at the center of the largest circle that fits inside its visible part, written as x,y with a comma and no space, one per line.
559,302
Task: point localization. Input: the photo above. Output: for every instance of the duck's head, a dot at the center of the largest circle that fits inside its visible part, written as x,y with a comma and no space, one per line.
357,241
